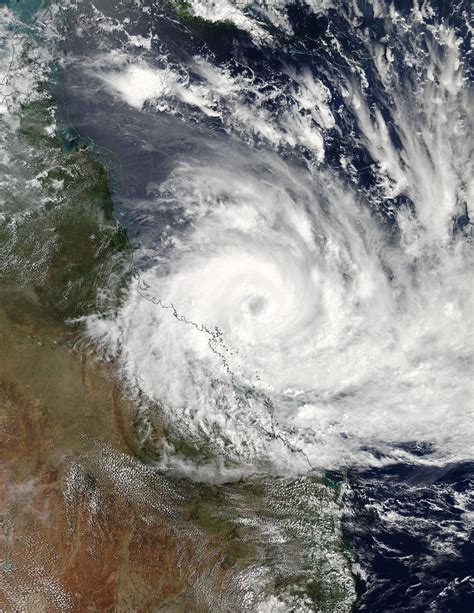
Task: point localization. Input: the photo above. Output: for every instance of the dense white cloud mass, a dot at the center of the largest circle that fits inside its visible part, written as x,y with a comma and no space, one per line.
289,326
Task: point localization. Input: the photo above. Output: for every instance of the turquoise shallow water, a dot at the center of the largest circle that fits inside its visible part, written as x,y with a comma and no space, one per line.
26,9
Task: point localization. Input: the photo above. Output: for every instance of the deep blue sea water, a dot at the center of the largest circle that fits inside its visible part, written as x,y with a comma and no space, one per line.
410,529
408,525
408,509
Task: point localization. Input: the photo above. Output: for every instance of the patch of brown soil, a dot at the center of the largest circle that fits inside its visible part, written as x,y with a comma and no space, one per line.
84,526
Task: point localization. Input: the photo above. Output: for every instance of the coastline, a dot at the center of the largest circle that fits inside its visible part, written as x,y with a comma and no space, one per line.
85,524
88,522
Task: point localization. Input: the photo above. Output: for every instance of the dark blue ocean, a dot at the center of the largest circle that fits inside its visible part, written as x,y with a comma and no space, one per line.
408,507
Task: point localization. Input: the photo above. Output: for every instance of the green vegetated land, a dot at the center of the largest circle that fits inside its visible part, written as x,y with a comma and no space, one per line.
58,237
63,256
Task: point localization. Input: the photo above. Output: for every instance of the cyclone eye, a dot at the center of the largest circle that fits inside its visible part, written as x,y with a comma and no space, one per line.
253,305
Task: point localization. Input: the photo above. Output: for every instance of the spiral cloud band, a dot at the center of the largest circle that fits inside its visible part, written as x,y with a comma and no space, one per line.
284,322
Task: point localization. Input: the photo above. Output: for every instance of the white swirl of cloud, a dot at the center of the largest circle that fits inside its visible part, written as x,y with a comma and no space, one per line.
289,325
297,287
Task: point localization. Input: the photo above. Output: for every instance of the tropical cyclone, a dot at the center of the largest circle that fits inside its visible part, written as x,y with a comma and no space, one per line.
294,324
